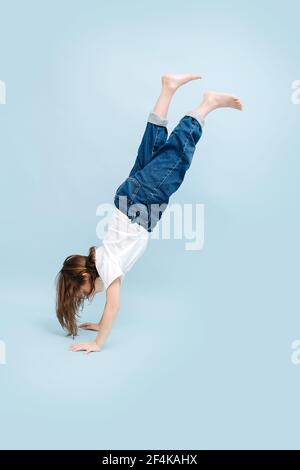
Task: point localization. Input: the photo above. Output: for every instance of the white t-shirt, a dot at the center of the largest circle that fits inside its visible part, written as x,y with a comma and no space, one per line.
123,243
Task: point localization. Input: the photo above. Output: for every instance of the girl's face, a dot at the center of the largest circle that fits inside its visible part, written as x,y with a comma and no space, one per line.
85,288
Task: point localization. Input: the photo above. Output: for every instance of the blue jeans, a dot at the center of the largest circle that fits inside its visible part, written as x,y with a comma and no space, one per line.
159,168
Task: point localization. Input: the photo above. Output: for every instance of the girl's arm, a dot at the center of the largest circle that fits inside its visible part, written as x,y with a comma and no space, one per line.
111,308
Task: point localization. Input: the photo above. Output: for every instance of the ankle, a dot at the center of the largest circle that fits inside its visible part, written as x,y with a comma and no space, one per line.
168,90
203,110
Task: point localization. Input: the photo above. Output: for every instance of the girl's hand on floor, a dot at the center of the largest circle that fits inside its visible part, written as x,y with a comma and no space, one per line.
91,346
89,326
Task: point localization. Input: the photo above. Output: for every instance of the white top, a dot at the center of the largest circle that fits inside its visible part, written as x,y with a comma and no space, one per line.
124,242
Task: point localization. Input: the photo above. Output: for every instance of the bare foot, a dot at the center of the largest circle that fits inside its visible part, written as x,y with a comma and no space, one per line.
216,100
175,81
213,100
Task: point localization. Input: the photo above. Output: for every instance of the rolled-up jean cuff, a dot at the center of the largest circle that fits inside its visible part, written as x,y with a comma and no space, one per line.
197,116
156,119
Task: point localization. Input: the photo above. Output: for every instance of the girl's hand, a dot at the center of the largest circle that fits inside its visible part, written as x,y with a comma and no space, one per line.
91,346
89,326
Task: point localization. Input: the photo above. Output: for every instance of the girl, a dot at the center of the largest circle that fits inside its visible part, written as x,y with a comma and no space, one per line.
139,202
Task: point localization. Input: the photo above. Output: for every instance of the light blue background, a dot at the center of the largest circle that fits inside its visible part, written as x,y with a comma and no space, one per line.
200,356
